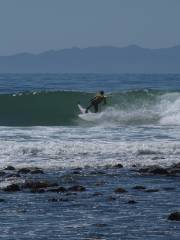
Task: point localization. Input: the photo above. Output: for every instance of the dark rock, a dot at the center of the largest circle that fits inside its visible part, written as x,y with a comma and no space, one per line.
2,200
120,190
175,216
155,169
53,200
13,175
24,170
37,171
58,200
70,193
2,173
100,225
177,165
134,166
77,169
76,172
10,168
131,202
77,188
12,188
152,190
97,194
59,189
119,165
138,187
174,171
143,170
159,170
38,184
99,172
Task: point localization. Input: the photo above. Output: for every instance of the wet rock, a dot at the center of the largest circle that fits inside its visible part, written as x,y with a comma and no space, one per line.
174,171
58,200
77,169
38,184
59,189
2,173
138,187
24,170
131,202
155,169
159,170
77,188
12,188
134,166
99,225
70,193
177,165
97,194
53,200
152,190
98,172
10,168
119,165
76,172
175,216
120,190
143,170
37,171
13,175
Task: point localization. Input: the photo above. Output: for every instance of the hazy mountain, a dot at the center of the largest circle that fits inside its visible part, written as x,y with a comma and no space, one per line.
131,59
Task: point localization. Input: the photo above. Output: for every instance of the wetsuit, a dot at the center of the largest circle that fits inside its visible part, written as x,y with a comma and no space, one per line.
95,102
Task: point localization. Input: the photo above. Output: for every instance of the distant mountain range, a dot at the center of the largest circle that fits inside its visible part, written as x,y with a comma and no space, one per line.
130,59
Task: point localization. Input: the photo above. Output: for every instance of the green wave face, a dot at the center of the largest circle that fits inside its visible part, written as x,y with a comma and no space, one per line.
60,108
40,109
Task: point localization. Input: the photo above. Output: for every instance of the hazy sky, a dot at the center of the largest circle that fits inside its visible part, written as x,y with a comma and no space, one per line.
39,25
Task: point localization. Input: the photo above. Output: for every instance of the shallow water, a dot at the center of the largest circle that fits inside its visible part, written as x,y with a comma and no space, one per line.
97,213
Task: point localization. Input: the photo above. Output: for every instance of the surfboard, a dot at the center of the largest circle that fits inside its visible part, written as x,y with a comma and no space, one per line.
82,110
87,116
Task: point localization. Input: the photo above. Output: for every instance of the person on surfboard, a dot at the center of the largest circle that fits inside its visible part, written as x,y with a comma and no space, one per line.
100,97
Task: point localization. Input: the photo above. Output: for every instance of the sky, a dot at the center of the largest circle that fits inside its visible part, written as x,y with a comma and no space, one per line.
39,25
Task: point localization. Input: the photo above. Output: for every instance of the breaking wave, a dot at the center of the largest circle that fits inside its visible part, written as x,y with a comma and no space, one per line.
60,108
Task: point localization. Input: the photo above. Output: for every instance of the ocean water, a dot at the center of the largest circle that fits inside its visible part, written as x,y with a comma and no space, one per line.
40,127
39,120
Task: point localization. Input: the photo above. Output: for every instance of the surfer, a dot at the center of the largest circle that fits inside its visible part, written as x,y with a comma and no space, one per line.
100,97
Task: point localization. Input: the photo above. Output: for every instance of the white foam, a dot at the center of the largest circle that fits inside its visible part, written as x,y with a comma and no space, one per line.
50,147
165,110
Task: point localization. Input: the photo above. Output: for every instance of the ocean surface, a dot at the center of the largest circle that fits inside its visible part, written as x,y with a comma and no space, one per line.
40,127
39,120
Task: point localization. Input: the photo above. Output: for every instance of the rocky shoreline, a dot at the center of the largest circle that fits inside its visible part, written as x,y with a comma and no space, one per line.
68,183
